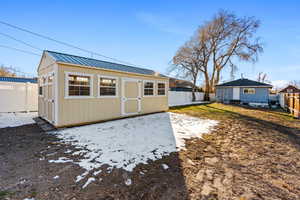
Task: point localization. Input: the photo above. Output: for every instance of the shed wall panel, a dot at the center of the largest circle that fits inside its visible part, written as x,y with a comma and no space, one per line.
85,110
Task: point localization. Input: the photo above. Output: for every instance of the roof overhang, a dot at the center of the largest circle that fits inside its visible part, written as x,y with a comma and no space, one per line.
110,70
248,86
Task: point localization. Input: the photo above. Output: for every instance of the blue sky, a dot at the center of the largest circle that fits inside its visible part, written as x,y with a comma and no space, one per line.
148,33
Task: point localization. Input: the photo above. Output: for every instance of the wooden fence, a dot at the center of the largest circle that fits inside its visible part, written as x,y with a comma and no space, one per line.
292,103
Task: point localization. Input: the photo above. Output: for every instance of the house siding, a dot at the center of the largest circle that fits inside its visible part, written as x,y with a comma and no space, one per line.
261,95
225,94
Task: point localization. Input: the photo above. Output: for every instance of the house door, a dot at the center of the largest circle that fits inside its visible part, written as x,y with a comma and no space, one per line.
131,96
49,98
236,93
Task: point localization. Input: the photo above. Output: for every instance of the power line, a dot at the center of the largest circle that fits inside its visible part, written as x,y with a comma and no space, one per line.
64,43
25,43
20,50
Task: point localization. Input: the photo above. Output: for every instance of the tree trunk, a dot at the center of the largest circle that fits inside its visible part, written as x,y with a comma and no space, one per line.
207,88
193,94
194,89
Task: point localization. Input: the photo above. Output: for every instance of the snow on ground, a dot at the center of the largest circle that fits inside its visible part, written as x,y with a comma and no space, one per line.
127,142
88,182
165,166
16,119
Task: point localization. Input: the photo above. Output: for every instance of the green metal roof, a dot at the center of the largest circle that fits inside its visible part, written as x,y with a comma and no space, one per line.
78,60
17,79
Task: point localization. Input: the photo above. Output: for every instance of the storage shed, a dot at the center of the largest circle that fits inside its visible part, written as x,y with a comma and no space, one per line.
76,90
244,91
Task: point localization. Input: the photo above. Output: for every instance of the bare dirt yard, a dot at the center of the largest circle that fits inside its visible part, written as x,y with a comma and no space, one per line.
250,154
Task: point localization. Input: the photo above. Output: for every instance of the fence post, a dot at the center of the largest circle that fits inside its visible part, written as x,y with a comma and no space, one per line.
26,97
297,105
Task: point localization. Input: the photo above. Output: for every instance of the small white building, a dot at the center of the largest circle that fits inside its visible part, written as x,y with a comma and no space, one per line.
18,94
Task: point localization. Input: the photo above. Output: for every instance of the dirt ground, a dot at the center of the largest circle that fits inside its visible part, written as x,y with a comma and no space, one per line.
251,154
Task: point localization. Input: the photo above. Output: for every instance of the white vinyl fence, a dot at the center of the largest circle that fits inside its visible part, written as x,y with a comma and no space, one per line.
282,100
18,97
179,98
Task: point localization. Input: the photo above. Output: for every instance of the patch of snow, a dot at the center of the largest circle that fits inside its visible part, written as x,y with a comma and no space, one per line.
56,177
128,182
29,199
16,119
61,160
165,166
88,182
23,181
68,151
43,158
97,172
51,154
82,176
128,142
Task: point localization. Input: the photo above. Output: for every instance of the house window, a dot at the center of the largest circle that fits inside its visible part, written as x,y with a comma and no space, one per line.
249,91
161,89
148,88
79,85
107,86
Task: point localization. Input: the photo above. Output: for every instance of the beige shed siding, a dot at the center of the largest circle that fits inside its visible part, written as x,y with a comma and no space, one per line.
84,110
44,107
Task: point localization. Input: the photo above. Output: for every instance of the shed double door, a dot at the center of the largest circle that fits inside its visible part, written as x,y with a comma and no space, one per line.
131,96
49,99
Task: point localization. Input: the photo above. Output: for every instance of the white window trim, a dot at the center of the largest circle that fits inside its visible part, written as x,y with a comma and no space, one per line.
159,95
117,86
41,84
151,81
247,89
67,85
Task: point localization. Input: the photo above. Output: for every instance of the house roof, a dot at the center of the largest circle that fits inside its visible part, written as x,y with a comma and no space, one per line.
17,79
290,87
177,83
83,61
244,82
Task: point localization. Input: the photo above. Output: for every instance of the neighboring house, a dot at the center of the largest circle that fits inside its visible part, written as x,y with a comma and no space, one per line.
290,89
244,91
75,90
18,94
181,85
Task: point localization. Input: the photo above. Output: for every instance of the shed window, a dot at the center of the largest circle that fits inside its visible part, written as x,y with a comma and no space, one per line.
79,85
148,88
108,86
161,89
40,90
249,91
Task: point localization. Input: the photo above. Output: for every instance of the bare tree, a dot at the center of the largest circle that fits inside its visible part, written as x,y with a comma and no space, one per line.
185,65
262,77
7,71
295,83
218,44
230,39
